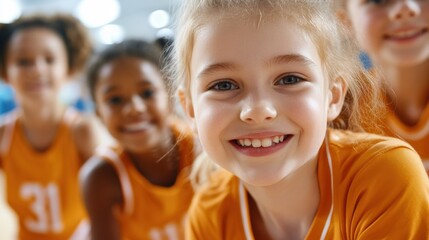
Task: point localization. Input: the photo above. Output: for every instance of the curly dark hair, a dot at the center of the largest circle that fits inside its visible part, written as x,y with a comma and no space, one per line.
75,36
128,48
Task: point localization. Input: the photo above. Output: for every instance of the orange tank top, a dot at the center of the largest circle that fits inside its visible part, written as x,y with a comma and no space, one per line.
42,187
153,212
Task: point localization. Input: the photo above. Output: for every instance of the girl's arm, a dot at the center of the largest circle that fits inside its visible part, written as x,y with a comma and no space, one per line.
102,196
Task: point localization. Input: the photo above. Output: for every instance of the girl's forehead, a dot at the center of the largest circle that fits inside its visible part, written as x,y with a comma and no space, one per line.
128,69
35,38
239,44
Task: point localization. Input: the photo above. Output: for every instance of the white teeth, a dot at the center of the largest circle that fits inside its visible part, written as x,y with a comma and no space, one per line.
276,139
266,142
256,143
403,34
136,126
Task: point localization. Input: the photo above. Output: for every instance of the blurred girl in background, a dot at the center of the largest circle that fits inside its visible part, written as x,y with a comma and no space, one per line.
44,143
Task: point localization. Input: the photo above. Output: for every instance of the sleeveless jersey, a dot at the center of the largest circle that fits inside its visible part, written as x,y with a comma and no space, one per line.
153,212
42,187
368,186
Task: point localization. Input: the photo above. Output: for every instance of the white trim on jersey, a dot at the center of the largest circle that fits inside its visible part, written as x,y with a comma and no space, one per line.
426,164
82,231
243,210
9,123
414,136
124,178
328,220
244,207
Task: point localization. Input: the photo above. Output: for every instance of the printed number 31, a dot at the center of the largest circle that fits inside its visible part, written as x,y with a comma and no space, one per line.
46,207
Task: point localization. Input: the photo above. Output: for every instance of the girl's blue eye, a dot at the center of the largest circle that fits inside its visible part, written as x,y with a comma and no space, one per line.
288,80
223,86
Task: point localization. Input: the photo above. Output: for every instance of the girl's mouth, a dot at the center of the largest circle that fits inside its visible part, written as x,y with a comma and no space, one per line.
258,147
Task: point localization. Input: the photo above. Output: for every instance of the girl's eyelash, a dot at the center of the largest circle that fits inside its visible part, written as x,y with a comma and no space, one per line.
289,79
376,2
222,85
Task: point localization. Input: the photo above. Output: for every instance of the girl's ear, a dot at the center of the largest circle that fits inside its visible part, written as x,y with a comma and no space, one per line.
186,103
337,94
188,108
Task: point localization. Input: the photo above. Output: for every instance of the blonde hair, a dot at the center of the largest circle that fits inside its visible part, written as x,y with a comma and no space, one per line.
316,18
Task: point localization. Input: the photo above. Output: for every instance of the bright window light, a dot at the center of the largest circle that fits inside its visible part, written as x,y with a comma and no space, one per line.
96,13
110,34
9,10
159,18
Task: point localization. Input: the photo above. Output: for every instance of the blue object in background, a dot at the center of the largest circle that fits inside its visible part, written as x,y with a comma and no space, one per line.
83,105
365,60
7,98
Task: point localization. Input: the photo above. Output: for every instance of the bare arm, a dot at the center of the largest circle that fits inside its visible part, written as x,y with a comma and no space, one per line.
102,196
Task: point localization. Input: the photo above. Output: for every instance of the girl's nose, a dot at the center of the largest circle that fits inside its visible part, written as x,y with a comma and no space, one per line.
405,9
136,105
37,66
258,111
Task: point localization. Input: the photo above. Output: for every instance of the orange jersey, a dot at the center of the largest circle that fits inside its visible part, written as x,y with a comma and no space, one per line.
153,212
417,136
42,187
371,187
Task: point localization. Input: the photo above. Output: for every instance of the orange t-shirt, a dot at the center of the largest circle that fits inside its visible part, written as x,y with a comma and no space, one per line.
371,187
153,212
417,136
42,187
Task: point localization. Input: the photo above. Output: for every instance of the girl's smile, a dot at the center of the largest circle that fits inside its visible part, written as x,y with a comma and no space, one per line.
261,146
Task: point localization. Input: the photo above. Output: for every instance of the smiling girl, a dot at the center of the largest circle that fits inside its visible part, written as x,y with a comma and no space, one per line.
44,143
395,34
272,95
138,188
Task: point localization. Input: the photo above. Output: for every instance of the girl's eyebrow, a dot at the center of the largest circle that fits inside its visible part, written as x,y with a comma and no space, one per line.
287,58
212,68
281,59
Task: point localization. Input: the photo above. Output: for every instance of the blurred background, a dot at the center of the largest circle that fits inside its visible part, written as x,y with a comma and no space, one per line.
108,21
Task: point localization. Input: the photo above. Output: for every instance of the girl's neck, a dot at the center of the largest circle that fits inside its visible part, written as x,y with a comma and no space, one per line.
40,125
286,210
408,88
40,116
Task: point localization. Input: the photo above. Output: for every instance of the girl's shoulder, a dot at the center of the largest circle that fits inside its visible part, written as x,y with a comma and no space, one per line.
365,157
85,132
99,182
220,190
344,140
